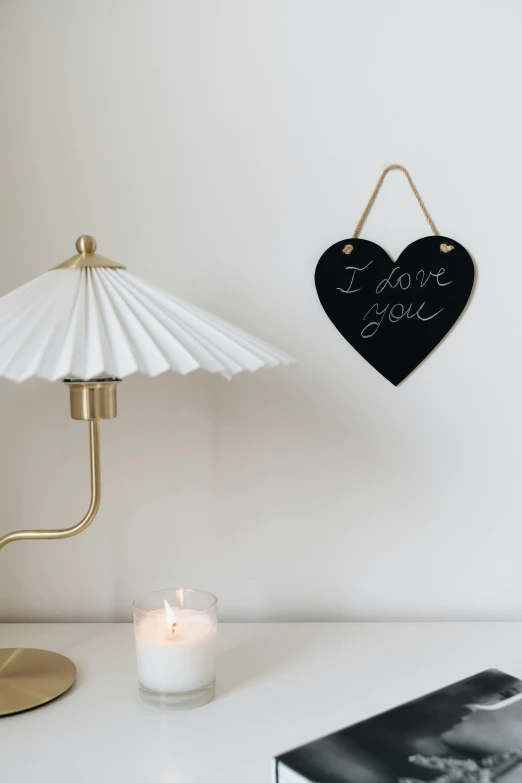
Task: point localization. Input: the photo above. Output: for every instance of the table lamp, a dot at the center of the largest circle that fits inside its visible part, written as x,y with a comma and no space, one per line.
90,323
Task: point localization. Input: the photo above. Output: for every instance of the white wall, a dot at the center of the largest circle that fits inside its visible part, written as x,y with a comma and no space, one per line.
218,148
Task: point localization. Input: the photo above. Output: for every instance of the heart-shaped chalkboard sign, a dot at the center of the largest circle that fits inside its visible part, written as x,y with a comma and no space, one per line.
394,314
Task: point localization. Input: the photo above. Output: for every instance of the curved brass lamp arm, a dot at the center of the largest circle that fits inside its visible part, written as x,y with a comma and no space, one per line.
25,535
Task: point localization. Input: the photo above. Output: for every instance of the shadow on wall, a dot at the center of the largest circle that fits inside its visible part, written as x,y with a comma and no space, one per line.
221,485
228,465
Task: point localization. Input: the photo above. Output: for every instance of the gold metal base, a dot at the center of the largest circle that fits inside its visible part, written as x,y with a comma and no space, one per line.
30,678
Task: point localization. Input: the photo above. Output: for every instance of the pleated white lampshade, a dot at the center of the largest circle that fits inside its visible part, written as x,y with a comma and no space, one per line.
89,318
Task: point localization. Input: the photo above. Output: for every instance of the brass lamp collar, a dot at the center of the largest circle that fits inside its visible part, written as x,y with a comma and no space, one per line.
92,400
88,257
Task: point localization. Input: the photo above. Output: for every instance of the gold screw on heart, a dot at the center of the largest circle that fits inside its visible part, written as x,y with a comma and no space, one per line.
446,248
347,249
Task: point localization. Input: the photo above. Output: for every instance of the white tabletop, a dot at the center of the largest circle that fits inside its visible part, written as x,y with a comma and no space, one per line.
279,685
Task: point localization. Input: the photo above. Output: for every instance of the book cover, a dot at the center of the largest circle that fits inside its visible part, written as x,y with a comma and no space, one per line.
468,732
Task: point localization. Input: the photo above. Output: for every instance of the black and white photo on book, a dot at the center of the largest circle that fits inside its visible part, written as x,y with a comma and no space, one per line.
468,732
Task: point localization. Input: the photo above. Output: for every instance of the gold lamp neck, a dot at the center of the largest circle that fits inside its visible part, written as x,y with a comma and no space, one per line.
88,257
91,401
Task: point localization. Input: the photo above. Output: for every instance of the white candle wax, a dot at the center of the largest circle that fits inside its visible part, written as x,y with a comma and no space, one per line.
176,662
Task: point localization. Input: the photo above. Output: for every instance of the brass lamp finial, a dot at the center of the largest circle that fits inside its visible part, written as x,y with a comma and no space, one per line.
87,257
86,244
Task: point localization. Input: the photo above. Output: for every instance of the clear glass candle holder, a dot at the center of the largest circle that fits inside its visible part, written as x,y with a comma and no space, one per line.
175,632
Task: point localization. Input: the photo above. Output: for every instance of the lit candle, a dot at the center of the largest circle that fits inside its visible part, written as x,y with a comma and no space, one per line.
176,646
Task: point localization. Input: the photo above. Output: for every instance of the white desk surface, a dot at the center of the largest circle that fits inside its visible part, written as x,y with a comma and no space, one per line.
279,685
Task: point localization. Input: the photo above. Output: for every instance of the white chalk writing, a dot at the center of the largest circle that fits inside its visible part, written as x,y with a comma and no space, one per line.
395,312
354,269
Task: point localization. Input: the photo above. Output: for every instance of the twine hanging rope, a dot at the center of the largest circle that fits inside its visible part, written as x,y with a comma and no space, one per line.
395,167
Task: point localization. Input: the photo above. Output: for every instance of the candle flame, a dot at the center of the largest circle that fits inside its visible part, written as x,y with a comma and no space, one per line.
171,620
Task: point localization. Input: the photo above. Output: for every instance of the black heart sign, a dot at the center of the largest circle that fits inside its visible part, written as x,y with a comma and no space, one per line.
394,314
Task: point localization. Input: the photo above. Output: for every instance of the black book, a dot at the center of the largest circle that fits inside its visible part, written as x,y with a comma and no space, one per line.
468,732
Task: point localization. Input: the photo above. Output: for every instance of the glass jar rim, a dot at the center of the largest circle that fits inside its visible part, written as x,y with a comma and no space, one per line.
137,601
